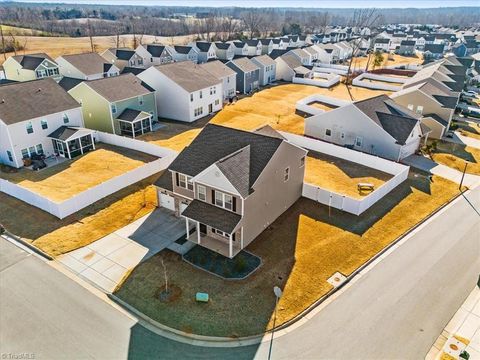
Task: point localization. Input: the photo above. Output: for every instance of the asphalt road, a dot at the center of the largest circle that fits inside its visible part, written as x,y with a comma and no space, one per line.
396,310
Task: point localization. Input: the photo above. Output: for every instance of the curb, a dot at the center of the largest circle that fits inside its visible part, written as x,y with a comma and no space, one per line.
28,245
254,339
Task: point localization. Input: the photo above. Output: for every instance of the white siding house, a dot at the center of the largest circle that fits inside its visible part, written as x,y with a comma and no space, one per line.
226,75
88,66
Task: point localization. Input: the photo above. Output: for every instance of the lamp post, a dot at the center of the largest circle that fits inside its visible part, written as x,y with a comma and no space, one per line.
278,294
463,175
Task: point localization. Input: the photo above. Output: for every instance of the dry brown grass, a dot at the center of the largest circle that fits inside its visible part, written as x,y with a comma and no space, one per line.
61,182
469,129
300,251
56,236
341,176
57,46
456,155
398,60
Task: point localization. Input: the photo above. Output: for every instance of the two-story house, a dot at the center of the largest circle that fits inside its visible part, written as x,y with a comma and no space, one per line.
39,117
227,76
230,185
88,66
30,67
123,57
254,47
267,46
248,74
267,68
154,54
184,53
121,105
185,91
382,44
225,51
240,48
206,51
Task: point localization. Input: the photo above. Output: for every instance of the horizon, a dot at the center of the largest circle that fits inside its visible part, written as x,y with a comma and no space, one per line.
339,4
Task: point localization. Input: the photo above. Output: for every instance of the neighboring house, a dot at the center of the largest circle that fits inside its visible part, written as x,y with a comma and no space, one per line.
225,51
2,73
185,53
433,51
122,57
240,48
382,45
88,66
121,105
206,51
227,76
267,68
407,48
230,185
304,56
289,66
39,117
267,46
313,54
377,126
420,43
154,54
459,49
322,55
332,50
248,74
278,44
254,47
30,67
185,91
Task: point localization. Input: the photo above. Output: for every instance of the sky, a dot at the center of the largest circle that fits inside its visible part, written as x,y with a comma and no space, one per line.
281,3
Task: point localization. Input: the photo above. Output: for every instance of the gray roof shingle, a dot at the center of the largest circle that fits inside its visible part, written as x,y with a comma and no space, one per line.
213,216
188,75
118,88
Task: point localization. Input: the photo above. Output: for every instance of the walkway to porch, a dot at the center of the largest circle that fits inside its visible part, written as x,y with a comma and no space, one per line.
219,246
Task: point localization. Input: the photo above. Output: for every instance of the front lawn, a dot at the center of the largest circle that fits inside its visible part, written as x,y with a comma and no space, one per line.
456,155
300,251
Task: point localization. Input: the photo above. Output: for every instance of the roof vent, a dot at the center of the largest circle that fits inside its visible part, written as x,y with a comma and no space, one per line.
3,101
39,89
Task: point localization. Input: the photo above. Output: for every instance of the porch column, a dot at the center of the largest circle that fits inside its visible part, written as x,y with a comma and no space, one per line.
187,228
241,237
141,126
150,122
133,130
230,246
198,232
93,141
68,149
81,146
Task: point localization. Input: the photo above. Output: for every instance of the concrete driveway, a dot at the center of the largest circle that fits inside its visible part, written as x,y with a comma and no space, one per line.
106,262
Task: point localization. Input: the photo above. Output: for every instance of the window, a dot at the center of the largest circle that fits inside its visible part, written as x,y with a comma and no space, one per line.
185,182
114,108
31,150
224,200
55,71
342,135
218,198
419,109
9,155
228,201
217,102
358,141
25,153
220,232
140,100
328,132
202,192
66,120
44,124
39,149
286,174
201,94
191,97
29,127
198,111
302,161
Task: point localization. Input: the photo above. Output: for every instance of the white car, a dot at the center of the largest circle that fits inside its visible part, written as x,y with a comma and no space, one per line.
469,93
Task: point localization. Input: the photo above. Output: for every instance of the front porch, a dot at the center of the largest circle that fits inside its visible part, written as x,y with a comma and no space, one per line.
69,142
228,247
134,123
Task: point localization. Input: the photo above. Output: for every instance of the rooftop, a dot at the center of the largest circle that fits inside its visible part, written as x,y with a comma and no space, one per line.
118,88
188,75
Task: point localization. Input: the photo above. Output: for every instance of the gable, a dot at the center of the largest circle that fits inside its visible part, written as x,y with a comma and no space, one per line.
213,176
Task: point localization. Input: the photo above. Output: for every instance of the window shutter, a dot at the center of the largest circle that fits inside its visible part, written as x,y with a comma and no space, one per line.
213,196
234,204
176,179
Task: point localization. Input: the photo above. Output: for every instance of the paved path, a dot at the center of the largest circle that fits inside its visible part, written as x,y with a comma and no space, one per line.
105,262
395,310
465,323
426,164
458,138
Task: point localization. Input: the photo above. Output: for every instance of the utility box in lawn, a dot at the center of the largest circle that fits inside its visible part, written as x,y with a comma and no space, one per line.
201,297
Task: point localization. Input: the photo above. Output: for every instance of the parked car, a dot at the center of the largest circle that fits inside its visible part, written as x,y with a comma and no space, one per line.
469,93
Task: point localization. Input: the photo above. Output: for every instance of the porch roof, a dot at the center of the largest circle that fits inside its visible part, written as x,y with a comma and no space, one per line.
213,216
130,115
66,133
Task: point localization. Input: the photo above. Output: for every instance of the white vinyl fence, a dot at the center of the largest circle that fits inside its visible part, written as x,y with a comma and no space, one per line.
323,80
100,191
331,68
341,201
302,104
360,80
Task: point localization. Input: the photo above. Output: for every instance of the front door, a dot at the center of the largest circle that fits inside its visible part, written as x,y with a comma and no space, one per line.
203,229
210,108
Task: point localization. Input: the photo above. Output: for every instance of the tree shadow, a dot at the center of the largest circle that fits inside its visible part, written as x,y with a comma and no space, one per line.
458,150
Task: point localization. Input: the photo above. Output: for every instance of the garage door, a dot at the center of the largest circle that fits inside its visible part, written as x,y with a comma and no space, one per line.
183,206
167,202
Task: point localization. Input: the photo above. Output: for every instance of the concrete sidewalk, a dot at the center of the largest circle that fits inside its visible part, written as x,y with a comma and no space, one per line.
466,324
458,138
428,165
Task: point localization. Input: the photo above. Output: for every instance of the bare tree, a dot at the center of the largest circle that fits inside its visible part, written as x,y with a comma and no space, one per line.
323,21
3,43
90,35
14,43
228,26
362,18
252,21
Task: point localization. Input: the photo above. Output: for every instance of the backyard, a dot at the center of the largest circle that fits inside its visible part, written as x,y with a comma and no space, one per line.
299,251
394,60
456,155
341,176
57,236
66,179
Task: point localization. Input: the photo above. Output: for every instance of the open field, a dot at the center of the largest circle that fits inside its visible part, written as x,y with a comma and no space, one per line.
300,251
341,176
61,182
16,31
361,62
456,155
56,236
56,46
